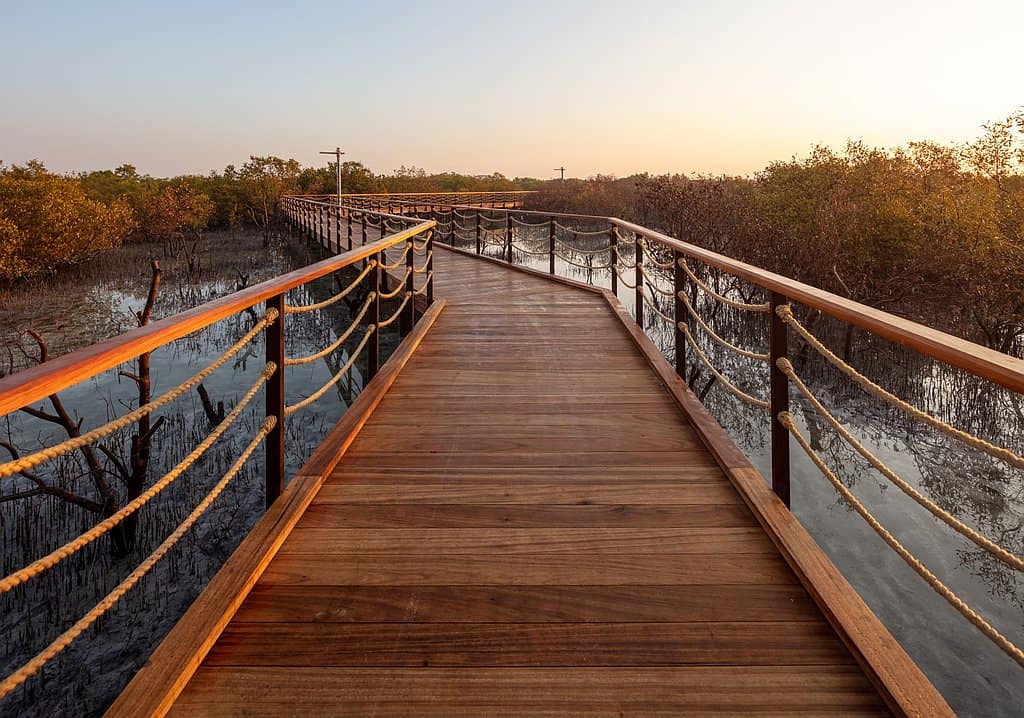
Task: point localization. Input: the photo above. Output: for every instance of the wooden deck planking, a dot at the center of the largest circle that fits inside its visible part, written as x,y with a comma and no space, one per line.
527,524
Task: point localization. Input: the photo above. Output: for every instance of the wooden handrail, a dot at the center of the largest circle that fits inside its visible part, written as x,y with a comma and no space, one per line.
988,364
983,362
39,382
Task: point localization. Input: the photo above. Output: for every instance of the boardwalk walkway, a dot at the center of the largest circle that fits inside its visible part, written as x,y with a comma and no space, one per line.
527,524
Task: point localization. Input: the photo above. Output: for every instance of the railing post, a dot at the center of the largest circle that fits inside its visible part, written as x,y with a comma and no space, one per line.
430,267
779,398
613,258
275,401
508,236
364,230
451,226
478,246
638,260
348,221
678,287
373,315
408,317
551,246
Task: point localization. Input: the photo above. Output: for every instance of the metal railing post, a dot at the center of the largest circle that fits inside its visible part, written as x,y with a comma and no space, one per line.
778,402
478,246
551,246
430,267
638,259
613,258
680,314
408,317
373,315
508,236
274,390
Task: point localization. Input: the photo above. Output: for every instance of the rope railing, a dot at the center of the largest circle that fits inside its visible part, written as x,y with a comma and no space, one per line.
289,361
387,322
983,542
398,262
298,309
397,290
30,668
786,419
523,223
581,266
108,524
574,248
582,232
715,336
35,459
426,284
998,452
721,297
292,408
730,387
426,263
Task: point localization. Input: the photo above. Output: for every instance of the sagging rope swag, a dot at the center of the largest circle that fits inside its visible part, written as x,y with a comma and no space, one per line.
401,285
289,361
65,639
105,526
292,309
43,455
399,262
289,410
582,232
426,263
732,388
390,320
721,297
786,419
786,314
567,245
993,548
711,333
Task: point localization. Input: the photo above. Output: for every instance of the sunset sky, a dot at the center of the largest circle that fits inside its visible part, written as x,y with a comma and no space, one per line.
518,88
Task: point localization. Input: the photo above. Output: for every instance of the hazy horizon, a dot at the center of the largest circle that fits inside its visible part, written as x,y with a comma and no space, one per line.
601,88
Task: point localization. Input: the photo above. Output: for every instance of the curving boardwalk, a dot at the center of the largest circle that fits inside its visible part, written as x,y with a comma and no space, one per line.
527,524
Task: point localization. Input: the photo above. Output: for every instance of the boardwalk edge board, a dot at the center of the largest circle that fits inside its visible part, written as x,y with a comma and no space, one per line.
158,683
900,682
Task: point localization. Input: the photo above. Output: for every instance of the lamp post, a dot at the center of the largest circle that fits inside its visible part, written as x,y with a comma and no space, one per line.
337,167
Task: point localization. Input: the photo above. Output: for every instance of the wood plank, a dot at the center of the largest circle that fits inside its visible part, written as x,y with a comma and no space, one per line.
365,472
411,542
534,645
544,569
905,689
577,691
157,684
526,604
512,516
518,491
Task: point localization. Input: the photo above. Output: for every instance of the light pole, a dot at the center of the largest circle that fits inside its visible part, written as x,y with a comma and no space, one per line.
337,167
561,170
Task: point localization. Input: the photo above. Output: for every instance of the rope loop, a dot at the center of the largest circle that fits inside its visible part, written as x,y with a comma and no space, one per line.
295,309
765,307
786,419
785,313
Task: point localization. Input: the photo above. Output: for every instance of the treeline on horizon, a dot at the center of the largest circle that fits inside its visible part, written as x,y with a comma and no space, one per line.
49,221
933,232
930,231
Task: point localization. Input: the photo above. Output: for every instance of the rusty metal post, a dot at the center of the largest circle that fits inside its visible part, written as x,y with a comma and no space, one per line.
551,246
613,258
508,236
430,266
408,317
373,316
779,398
478,245
638,259
681,318
274,472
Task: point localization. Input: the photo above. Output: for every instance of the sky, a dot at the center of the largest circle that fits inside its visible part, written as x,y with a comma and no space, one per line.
518,88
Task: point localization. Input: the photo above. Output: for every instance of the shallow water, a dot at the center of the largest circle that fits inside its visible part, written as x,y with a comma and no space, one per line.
85,678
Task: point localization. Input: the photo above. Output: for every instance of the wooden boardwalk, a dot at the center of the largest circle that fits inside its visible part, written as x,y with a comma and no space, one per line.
527,524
